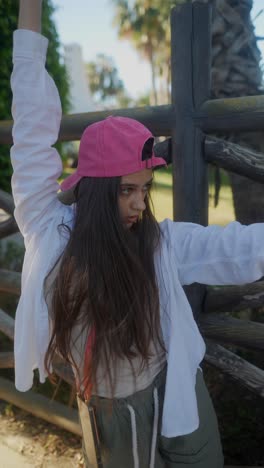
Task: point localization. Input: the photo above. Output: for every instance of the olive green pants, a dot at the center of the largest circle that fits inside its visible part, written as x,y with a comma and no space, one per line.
126,432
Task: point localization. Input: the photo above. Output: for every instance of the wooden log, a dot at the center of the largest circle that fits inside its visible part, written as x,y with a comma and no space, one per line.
234,298
62,369
222,328
7,324
234,158
9,226
163,150
231,114
10,281
190,25
42,407
190,65
158,119
246,374
6,360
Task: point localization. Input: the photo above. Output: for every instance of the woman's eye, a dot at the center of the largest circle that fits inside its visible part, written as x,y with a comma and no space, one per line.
147,188
125,190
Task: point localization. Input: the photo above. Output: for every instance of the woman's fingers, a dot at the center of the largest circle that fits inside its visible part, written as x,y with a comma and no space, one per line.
30,15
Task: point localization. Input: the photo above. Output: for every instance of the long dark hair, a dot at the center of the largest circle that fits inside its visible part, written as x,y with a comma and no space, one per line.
107,281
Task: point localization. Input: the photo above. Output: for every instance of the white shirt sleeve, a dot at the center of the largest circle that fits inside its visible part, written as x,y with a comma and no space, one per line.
36,110
216,255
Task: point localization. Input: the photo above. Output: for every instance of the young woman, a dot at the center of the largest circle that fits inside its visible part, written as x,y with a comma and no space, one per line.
102,280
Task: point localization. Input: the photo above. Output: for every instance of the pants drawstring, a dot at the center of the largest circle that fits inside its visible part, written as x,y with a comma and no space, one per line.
134,436
154,432
155,428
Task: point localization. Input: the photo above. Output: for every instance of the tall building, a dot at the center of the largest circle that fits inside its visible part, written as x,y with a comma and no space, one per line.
80,96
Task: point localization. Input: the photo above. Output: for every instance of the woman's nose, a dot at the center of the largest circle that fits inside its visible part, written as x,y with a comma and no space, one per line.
139,202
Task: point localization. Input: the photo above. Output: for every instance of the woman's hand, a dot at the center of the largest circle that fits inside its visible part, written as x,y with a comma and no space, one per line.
30,15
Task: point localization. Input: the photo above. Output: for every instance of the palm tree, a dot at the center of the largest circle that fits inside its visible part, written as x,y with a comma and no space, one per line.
236,72
140,23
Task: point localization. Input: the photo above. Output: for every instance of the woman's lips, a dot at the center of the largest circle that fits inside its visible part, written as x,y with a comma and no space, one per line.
132,219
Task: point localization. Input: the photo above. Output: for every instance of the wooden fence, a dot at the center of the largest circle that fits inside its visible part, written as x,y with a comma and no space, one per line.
188,121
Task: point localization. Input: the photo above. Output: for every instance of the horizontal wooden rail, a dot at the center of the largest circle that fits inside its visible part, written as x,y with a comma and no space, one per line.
163,149
61,368
231,114
234,158
6,360
7,325
234,298
10,281
42,407
159,119
222,153
8,226
248,375
226,329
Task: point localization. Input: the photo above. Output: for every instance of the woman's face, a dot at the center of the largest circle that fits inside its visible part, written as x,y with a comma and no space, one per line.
132,193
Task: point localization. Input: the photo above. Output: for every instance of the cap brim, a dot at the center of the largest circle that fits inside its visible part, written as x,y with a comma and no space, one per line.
70,181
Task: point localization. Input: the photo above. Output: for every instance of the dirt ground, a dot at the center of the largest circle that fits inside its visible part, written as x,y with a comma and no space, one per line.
27,442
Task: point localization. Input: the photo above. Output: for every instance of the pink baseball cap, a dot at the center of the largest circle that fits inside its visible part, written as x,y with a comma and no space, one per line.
115,146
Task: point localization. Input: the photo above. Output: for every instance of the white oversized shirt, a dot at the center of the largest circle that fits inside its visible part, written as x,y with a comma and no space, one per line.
188,252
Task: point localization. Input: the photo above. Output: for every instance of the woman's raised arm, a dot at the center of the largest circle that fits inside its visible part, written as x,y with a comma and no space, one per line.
36,111
30,15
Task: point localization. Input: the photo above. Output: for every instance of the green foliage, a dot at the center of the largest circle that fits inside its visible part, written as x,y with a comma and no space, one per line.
55,65
8,19
8,23
146,25
103,77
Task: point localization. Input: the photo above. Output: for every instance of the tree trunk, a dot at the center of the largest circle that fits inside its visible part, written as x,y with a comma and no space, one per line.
153,74
236,72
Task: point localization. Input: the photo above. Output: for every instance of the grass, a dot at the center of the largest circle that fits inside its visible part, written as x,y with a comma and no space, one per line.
162,200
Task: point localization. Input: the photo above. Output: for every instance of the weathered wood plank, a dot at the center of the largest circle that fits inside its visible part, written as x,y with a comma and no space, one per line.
234,298
231,114
6,360
61,368
234,158
190,65
190,24
42,407
10,281
163,150
7,324
239,369
9,226
226,329
157,118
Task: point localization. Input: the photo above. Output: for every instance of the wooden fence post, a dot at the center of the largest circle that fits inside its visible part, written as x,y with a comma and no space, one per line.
191,66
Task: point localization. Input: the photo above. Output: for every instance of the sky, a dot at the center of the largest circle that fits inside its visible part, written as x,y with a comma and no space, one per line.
89,23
